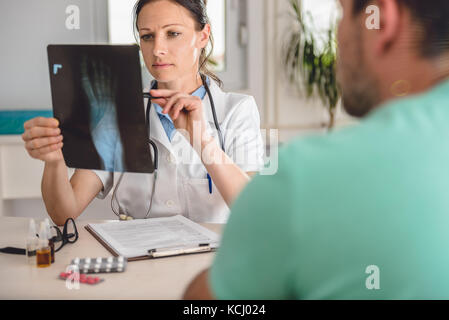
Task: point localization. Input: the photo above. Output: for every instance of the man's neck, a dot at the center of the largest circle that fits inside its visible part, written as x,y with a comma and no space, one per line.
442,66
415,77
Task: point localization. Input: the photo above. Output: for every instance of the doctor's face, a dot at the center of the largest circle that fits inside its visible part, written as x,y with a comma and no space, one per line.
170,40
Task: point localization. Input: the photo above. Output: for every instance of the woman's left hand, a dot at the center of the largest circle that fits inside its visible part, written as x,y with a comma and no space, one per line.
185,110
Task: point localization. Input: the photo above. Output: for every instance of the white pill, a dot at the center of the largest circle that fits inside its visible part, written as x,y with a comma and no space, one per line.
97,270
76,261
86,271
99,260
87,260
86,266
120,265
97,266
121,259
108,270
119,269
109,265
110,259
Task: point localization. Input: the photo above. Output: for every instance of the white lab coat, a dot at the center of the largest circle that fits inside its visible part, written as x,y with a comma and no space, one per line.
182,186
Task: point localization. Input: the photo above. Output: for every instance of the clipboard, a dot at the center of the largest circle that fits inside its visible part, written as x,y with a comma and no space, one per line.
109,248
161,252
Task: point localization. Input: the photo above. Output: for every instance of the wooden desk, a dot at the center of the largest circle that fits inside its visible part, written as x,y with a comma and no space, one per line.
149,279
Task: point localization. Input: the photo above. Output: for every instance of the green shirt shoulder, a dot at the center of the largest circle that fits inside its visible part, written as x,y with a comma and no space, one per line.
369,197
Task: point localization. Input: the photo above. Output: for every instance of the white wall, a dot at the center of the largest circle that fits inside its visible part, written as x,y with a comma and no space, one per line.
35,208
26,28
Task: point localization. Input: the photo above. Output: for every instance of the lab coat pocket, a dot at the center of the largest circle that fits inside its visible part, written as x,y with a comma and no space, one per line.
203,206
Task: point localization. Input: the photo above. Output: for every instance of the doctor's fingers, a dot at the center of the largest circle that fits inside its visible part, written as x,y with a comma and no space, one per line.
41,122
40,132
38,153
187,104
172,101
163,101
42,142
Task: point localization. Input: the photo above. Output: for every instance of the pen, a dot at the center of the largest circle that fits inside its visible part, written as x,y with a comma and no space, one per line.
149,96
210,183
167,252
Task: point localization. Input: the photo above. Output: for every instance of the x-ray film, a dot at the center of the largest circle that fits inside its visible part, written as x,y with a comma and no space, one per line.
98,99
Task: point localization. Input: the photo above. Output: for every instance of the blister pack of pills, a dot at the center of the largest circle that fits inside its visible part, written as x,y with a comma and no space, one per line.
100,265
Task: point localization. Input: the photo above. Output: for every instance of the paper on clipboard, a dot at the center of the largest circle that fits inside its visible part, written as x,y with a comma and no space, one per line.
133,239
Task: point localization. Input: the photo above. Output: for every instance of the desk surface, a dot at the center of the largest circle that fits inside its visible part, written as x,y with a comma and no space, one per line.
165,278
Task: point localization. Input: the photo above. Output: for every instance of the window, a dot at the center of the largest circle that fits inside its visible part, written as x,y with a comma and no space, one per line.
120,14
216,10
321,16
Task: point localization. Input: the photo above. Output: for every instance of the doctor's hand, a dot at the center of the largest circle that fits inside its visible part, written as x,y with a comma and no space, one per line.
43,139
186,111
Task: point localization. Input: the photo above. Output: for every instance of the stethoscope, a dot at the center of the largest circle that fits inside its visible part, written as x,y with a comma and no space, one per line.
121,213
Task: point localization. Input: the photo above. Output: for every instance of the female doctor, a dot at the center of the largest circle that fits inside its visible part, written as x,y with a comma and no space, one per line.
201,169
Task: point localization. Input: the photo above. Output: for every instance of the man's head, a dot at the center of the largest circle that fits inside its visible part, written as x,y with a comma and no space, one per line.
376,65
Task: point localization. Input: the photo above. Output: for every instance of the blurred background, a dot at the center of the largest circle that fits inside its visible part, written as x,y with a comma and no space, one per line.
282,52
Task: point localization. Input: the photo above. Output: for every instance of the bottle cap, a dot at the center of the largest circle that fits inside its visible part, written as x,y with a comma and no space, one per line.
32,229
48,229
43,233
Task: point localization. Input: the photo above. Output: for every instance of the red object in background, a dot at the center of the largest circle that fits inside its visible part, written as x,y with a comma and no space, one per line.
82,278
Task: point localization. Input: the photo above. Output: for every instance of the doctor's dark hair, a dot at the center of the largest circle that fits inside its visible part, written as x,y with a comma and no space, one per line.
197,9
431,15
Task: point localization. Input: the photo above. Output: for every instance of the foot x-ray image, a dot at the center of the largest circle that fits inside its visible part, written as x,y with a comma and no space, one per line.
97,98
100,87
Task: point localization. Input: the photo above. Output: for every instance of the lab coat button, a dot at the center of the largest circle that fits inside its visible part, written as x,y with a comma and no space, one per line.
170,203
171,159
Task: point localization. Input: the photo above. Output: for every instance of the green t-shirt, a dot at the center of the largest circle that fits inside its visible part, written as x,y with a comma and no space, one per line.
376,194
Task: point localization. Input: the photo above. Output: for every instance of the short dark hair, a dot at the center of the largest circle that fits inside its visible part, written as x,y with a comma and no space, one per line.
197,9
432,15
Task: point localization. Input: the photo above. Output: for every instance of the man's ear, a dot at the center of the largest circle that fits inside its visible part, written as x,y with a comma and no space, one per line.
390,24
204,36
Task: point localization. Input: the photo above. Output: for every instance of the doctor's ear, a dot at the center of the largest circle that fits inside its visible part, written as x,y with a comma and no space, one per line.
204,36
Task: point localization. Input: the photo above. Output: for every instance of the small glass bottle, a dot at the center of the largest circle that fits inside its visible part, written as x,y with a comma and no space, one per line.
31,243
50,240
43,253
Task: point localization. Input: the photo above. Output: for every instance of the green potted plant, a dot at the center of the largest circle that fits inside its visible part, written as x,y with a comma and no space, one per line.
310,67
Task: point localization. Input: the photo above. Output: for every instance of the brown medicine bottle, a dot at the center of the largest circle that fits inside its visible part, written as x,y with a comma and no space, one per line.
43,252
50,240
